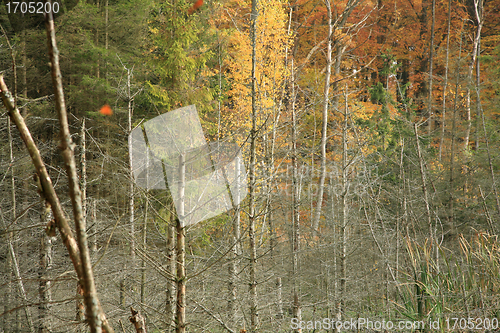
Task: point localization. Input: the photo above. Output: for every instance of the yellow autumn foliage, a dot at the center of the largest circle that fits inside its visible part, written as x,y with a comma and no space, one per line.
273,41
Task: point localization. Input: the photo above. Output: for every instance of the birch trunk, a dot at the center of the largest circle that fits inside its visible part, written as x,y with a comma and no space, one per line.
326,97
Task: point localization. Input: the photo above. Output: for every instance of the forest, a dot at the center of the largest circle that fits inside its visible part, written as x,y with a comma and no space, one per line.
367,134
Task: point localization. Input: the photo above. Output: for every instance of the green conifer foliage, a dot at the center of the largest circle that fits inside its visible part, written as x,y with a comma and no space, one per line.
178,54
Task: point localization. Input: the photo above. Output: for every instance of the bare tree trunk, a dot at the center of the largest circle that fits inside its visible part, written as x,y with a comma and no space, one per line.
143,264
445,86
253,140
170,306
234,266
404,211
326,98
96,41
8,295
297,313
17,275
129,97
478,95
144,229
20,285
131,173
181,281
487,143
181,253
488,216
424,183
12,261
83,170
279,296
343,213
80,311
44,324
122,290
430,113
478,10
94,222
95,314
48,189
295,215
332,284
24,72
106,36
452,151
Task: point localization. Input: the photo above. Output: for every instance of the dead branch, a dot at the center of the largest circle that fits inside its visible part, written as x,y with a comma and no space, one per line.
138,320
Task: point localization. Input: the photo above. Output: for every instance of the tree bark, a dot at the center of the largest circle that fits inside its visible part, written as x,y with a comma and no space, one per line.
478,10
451,201
234,266
171,263
94,222
80,310
430,113
253,140
46,183
9,294
487,143
424,184
131,174
297,313
44,292
143,264
445,85
343,213
144,229
95,314
138,320
80,307
326,103
181,253
279,296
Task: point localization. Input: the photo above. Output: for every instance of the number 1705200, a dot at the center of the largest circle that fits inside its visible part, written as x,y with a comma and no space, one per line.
32,7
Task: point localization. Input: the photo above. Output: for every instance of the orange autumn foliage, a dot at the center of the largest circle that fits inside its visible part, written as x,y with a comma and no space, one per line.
106,110
195,6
